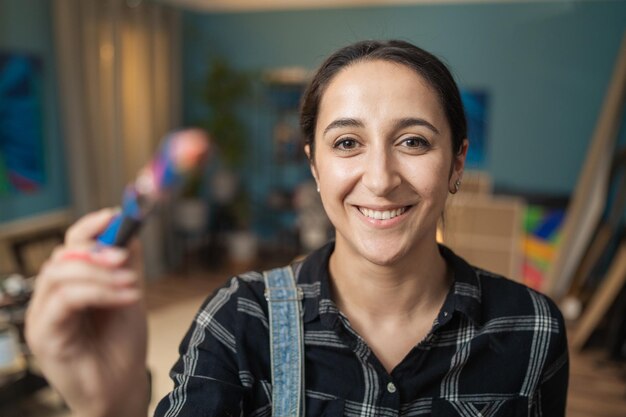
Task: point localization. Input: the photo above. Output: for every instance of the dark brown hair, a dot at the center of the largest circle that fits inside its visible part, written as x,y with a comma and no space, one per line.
423,63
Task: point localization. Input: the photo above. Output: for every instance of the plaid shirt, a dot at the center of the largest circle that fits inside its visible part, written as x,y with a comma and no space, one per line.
496,348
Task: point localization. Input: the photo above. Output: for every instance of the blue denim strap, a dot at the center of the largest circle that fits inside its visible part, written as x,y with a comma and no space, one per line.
284,302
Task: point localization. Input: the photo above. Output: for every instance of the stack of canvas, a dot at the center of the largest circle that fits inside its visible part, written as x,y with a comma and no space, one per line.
485,229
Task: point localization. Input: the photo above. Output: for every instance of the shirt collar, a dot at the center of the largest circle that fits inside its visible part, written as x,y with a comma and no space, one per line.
464,296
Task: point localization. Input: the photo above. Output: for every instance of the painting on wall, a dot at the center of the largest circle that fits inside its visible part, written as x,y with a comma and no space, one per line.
476,103
22,155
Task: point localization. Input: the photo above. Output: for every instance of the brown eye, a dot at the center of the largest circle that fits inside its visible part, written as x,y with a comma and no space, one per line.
416,142
346,144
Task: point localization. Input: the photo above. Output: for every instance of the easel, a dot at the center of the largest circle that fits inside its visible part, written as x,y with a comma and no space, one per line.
615,278
585,237
590,196
607,230
602,299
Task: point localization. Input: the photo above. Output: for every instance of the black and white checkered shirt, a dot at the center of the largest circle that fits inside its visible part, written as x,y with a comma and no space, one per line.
496,348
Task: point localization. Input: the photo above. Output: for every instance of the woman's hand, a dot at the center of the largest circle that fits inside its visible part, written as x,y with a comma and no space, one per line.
86,324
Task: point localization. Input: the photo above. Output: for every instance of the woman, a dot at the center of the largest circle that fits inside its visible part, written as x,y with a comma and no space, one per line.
394,324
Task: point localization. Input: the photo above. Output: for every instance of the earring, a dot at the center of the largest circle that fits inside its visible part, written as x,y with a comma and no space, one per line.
318,188
457,186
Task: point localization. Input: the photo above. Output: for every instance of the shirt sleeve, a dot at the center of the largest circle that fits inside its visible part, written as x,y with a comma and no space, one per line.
552,391
206,378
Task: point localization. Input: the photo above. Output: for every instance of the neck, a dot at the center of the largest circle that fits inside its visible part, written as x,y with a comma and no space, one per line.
416,283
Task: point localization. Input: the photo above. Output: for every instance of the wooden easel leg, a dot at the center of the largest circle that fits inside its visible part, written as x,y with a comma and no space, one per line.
602,299
606,230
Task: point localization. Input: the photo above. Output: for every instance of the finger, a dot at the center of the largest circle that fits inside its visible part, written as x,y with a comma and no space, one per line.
107,256
50,315
56,277
67,290
71,298
61,252
89,226
110,256
73,272
107,265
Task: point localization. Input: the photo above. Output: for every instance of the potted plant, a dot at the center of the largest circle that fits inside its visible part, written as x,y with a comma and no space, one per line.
225,89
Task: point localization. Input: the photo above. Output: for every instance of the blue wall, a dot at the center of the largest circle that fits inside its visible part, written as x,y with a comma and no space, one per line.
26,27
546,66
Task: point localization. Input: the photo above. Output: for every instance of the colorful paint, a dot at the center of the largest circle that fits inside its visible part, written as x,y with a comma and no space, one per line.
542,232
181,153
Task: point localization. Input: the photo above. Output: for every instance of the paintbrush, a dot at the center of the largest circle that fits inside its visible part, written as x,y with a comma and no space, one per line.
180,155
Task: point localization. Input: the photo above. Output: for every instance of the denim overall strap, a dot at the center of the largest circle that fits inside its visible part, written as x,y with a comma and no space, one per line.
284,302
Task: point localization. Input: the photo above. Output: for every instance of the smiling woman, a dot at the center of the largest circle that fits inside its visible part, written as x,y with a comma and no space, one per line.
383,145
393,323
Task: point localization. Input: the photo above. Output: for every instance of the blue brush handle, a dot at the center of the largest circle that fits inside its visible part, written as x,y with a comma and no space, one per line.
119,232
127,223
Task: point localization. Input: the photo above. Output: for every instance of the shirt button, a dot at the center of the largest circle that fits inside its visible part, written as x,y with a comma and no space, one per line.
391,387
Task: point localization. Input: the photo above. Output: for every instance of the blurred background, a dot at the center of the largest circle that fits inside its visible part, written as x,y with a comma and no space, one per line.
89,87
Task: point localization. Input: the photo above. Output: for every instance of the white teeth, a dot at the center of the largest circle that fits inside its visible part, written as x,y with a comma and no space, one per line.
382,215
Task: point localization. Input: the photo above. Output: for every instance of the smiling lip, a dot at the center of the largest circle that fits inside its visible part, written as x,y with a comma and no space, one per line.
383,215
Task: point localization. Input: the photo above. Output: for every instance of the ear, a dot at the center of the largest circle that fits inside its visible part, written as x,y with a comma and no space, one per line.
307,151
458,164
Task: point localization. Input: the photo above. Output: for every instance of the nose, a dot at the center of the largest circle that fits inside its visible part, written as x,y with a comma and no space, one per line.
380,174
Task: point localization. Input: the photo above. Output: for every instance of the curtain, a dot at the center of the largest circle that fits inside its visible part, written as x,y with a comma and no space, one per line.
118,70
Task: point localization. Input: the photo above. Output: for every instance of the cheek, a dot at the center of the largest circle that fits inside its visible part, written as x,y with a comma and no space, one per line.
336,178
429,177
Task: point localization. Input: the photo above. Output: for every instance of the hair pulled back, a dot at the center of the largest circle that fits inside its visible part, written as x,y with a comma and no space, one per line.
422,62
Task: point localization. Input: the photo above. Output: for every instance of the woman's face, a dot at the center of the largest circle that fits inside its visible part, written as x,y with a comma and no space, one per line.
383,160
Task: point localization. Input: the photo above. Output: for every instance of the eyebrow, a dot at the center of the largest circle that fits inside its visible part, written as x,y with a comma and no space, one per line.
399,124
415,121
346,122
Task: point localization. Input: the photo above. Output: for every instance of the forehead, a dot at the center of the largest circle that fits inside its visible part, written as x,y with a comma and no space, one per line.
379,90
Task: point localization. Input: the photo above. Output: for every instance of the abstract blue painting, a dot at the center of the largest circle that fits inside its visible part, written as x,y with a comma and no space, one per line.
22,157
476,103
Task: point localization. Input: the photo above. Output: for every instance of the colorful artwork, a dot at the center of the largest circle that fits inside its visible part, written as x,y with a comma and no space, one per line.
21,138
476,105
542,233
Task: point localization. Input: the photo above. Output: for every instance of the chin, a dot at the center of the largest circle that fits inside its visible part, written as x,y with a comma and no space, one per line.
382,254
380,261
